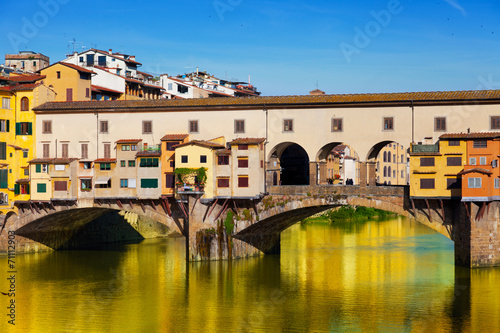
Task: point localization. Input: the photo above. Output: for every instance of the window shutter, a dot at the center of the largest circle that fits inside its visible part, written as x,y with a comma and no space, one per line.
471,182
7,126
38,168
16,189
18,128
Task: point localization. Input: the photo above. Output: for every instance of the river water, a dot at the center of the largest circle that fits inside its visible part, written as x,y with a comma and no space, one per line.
390,276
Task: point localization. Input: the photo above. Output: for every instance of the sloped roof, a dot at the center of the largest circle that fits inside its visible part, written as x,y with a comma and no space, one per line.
470,136
174,137
247,141
206,144
128,141
475,170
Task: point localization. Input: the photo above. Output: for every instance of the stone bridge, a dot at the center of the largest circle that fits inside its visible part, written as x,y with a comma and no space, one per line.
237,228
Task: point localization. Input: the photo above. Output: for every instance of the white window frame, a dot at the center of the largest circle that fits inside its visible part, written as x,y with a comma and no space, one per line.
472,161
482,160
497,183
474,182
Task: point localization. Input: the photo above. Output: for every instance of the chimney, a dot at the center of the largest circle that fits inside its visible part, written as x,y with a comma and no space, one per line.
132,57
110,51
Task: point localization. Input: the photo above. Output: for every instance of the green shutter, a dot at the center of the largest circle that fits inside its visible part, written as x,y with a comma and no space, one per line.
3,179
155,162
17,190
143,162
28,189
18,128
41,188
3,150
38,168
8,125
30,128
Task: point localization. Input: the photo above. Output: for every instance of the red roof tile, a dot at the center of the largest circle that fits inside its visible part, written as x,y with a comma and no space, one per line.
247,141
78,68
26,78
105,160
468,136
129,141
174,137
53,160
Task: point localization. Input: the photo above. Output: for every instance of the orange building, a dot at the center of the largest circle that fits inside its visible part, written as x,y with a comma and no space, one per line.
168,143
70,82
481,174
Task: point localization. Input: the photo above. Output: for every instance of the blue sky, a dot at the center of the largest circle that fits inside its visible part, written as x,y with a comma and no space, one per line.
287,47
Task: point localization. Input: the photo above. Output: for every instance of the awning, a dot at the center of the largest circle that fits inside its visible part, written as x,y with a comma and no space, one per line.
102,180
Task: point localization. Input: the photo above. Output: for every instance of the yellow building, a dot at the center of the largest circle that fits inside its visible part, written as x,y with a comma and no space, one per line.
168,144
392,165
434,169
69,81
20,94
192,156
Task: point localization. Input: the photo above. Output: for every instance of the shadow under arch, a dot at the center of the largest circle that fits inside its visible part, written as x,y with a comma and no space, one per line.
294,163
84,228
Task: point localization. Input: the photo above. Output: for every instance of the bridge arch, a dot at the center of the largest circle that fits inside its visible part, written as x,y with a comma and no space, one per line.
294,163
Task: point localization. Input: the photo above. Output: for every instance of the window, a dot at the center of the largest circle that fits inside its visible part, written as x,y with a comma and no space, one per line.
101,60
385,171
385,156
453,143
440,124
149,183
4,183
147,127
125,147
105,185
84,147
239,126
454,161
393,173
149,162
497,183
193,126
103,127
58,74
184,159
472,161
474,182
242,147
453,183
242,181
64,148
90,59
87,92
4,125
480,144
169,86
60,185
394,158
107,150
169,180
47,127
288,125
172,164
105,166
222,182
242,162
41,188
495,122
482,160
24,128
131,163
5,103
86,184
133,147
26,172
223,160
170,145
388,124
3,150
427,183
203,158
25,104
427,161
69,94
87,165
337,125
46,150
402,174
123,183
123,164
494,164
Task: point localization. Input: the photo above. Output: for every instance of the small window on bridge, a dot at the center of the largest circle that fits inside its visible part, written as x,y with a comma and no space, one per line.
474,182
453,143
454,161
427,161
427,183
388,124
480,144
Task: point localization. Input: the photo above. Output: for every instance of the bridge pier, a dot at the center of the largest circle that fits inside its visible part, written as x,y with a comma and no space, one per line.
477,234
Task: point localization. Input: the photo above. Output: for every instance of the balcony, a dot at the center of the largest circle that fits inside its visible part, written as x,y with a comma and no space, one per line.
190,188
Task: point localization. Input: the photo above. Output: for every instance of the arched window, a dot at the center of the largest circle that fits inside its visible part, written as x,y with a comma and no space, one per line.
385,156
393,173
25,104
389,170
385,171
389,157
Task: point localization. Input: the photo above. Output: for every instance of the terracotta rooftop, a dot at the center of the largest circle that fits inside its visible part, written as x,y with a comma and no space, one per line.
26,78
53,160
148,153
20,87
78,68
206,144
99,88
15,147
407,98
223,152
105,160
483,135
247,141
475,170
129,141
174,137
23,181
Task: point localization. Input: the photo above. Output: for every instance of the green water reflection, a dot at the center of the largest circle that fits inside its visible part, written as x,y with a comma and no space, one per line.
392,276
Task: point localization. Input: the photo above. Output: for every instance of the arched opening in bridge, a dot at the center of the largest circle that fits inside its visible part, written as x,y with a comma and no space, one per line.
392,163
293,164
337,164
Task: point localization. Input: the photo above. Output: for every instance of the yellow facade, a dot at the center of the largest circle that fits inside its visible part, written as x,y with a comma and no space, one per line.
168,143
434,169
191,155
7,136
392,165
61,77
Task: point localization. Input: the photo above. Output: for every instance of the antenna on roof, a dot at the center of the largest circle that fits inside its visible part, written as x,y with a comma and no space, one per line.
74,44
317,85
